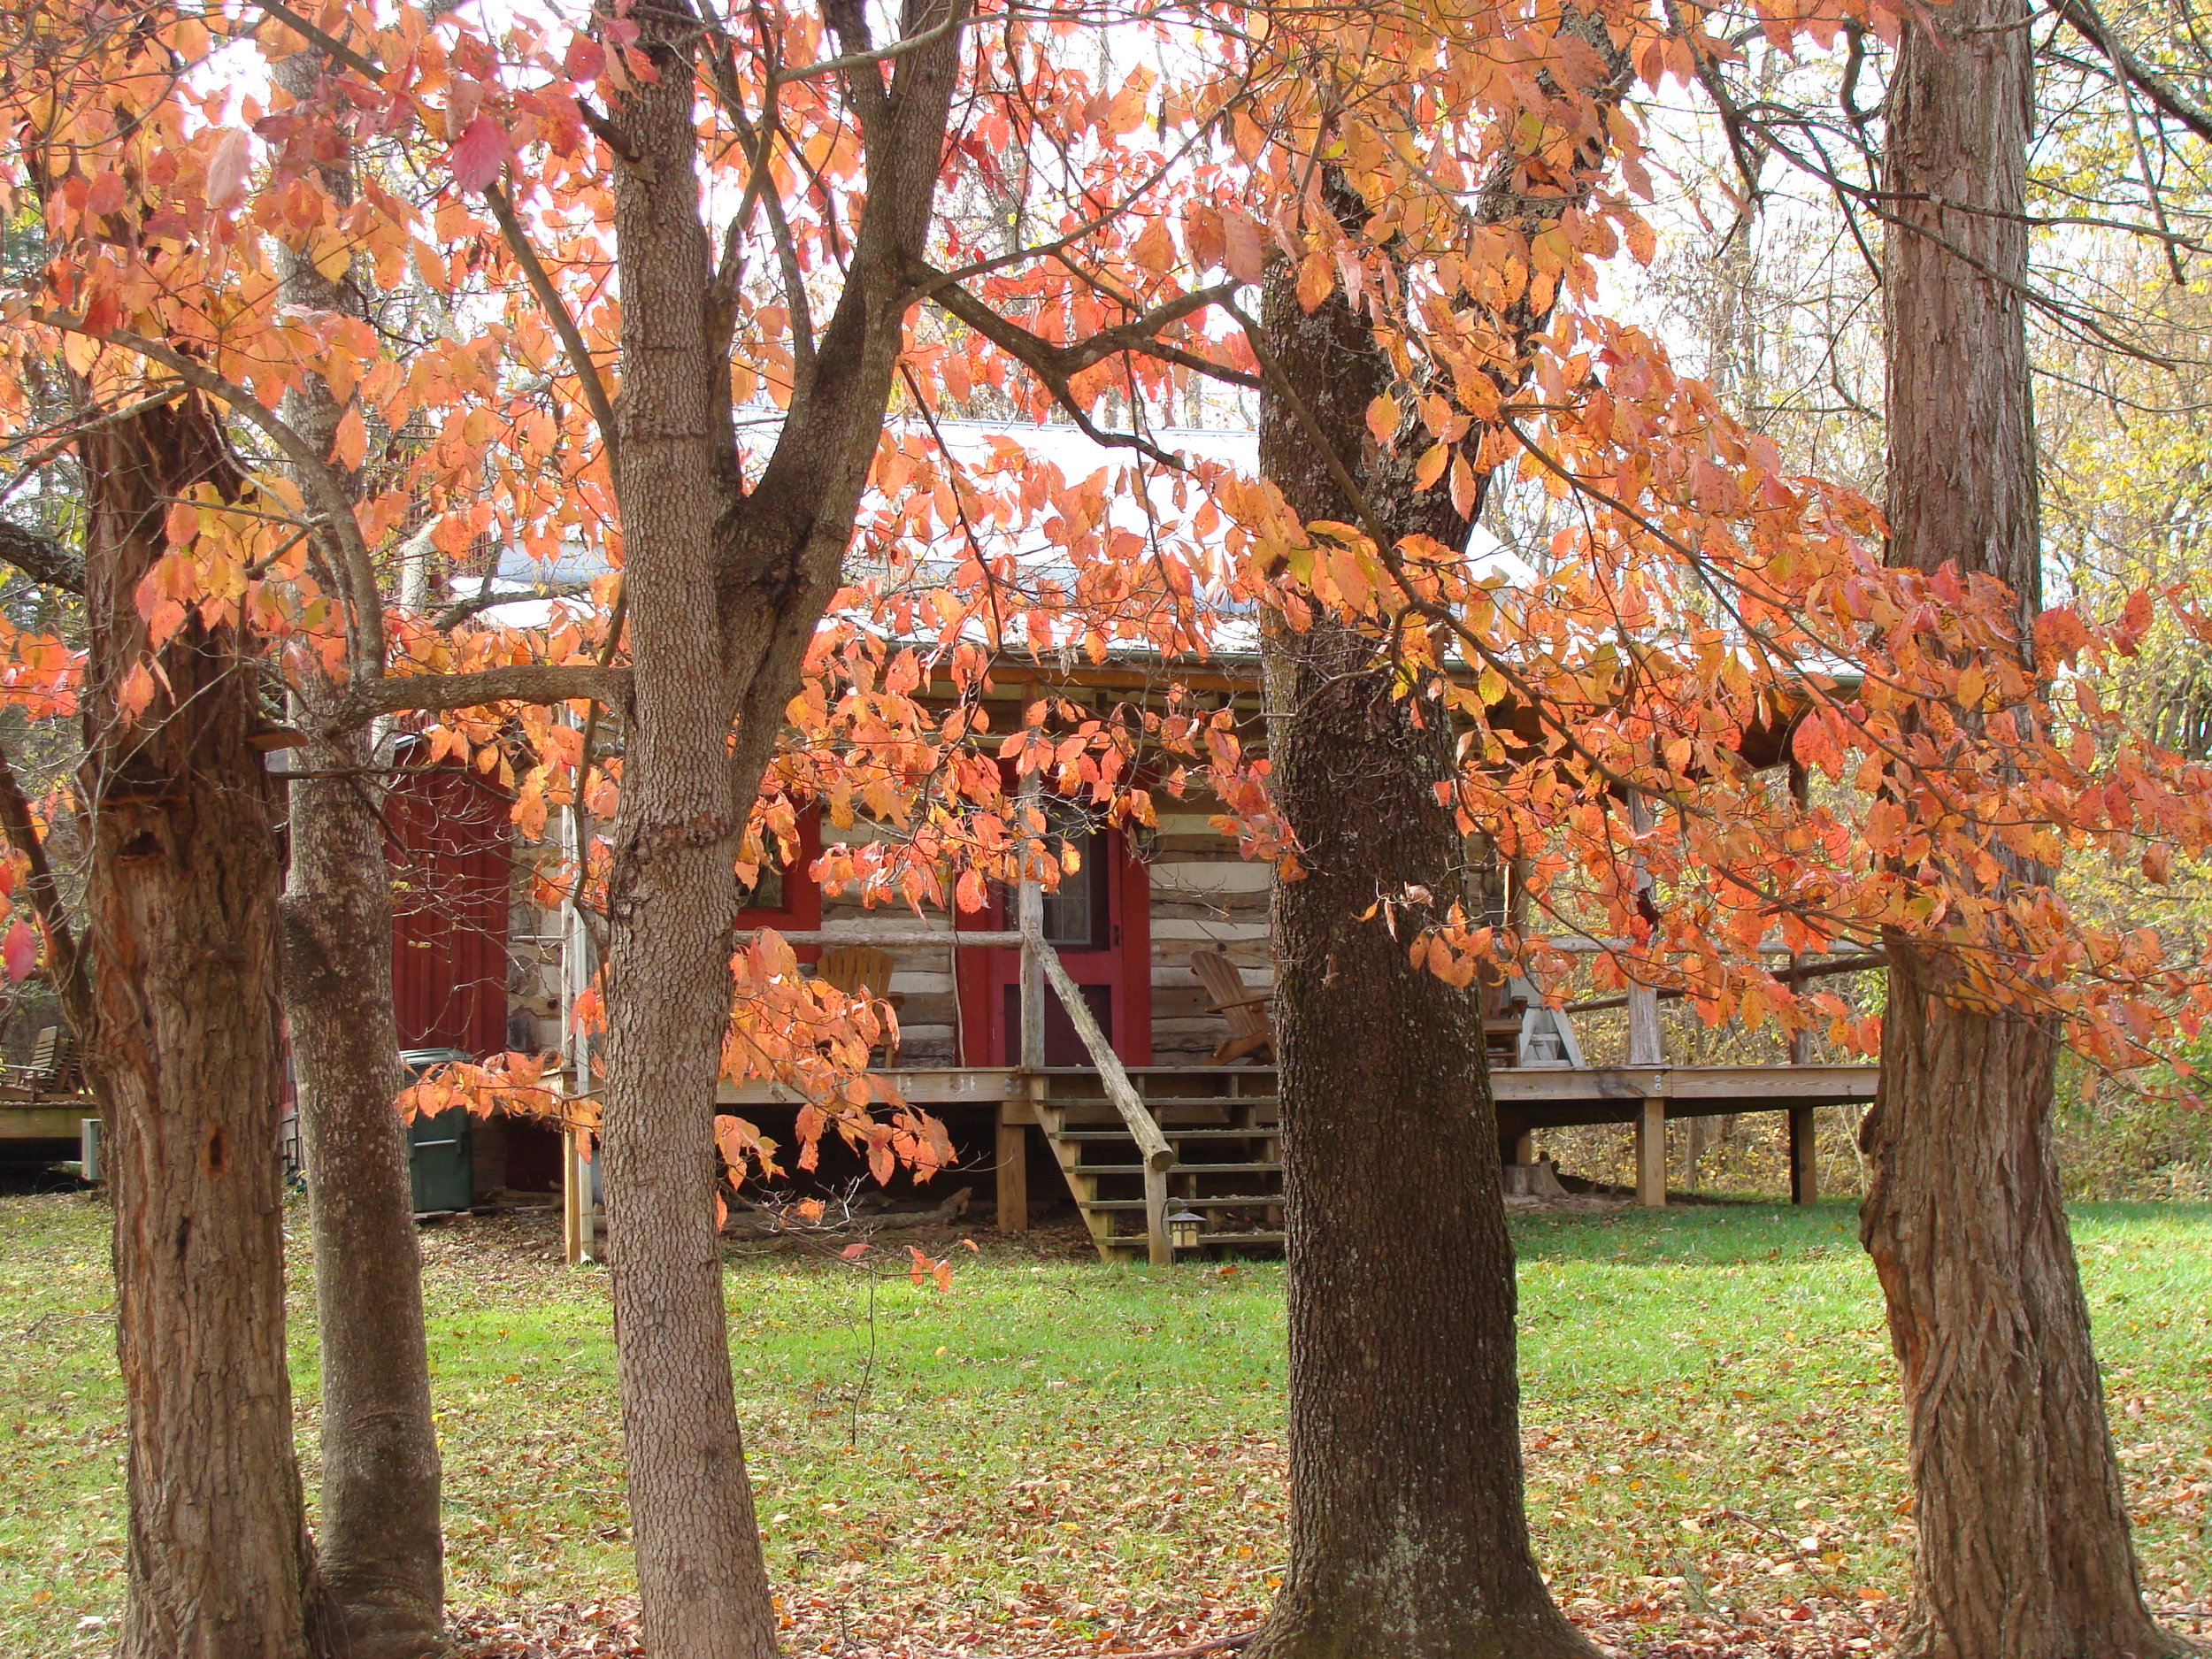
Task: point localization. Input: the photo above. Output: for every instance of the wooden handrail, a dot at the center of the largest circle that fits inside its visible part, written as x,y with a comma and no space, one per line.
1143,1128
890,936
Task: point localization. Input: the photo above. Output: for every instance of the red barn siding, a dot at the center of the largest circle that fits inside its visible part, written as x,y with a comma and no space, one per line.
451,856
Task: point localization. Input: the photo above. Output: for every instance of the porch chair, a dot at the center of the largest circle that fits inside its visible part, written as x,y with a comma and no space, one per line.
855,968
1250,1031
53,1069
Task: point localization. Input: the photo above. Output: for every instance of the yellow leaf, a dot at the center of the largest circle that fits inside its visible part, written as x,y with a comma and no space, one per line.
331,252
1430,466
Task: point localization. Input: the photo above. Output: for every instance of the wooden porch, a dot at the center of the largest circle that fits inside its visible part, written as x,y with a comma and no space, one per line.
1221,1129
43,1104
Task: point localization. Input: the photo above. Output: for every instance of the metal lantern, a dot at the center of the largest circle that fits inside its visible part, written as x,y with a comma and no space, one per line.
1185,1229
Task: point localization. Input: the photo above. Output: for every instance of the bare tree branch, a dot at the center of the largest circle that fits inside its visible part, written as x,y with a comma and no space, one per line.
40,557
360,701
461,610
2089,23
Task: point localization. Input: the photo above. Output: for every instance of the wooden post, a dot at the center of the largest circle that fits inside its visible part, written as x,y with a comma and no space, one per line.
1647,1048
1525,1147
1804,1156
1802,1041
1030,917
1651,1155
575,1199
1013,1173
1159,1249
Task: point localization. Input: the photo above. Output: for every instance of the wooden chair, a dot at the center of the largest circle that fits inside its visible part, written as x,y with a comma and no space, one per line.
53,1069
853,969
1250,1031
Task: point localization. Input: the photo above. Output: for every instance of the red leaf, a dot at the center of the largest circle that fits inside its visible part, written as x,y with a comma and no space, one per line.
586,58
19,949
1242,249
480,153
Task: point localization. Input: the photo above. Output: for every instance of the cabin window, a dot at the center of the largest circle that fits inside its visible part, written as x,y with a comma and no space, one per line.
785,896
1077,913
766,893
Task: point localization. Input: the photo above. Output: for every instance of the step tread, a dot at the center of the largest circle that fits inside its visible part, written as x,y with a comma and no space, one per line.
1170,1102
1239,1201
1211,1132
1181,1169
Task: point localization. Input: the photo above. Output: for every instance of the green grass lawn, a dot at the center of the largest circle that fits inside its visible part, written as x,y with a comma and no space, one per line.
1056,1450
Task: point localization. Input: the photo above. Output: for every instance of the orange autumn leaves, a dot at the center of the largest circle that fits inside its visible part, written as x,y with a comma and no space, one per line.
1699,597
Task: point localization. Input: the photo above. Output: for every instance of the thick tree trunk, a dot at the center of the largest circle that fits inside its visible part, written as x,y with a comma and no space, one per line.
182,925
1409,1538
382,1556
2023,1550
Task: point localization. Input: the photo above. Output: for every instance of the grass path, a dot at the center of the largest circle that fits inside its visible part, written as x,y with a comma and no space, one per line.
1054,1452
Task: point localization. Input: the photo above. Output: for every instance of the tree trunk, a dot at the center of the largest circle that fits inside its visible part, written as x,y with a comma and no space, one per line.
1409,1538
672,899
2023,1550
182,925
382,1553
725,587
382,1556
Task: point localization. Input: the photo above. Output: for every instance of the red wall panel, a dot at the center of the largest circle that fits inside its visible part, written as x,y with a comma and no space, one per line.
451,856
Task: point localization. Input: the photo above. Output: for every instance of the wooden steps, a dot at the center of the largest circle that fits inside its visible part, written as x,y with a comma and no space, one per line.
1231,1174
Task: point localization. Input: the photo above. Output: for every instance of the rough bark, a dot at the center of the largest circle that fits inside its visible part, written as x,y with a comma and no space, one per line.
182,941
1409,1537
382,1556
382,1553
724,587
2023,1550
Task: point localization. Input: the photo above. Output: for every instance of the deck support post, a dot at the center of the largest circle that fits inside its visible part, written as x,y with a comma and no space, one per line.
1646,1044
576,1218
1804,1157
1013,1173
1158,1250
1651,1155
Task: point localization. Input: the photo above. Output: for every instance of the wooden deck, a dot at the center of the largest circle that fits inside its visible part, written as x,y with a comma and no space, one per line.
1553,1097
45,1119
1224,1125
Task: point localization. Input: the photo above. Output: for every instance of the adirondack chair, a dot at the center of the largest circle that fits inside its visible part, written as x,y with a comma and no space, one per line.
855,968
53,1069
1250,1031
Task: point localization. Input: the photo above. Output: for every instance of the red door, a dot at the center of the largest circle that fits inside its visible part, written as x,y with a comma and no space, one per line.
1098,919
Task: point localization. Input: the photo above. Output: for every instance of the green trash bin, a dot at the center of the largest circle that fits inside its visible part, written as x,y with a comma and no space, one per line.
439,1147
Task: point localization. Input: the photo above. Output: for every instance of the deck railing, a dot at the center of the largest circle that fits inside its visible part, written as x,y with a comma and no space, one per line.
1143,1128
